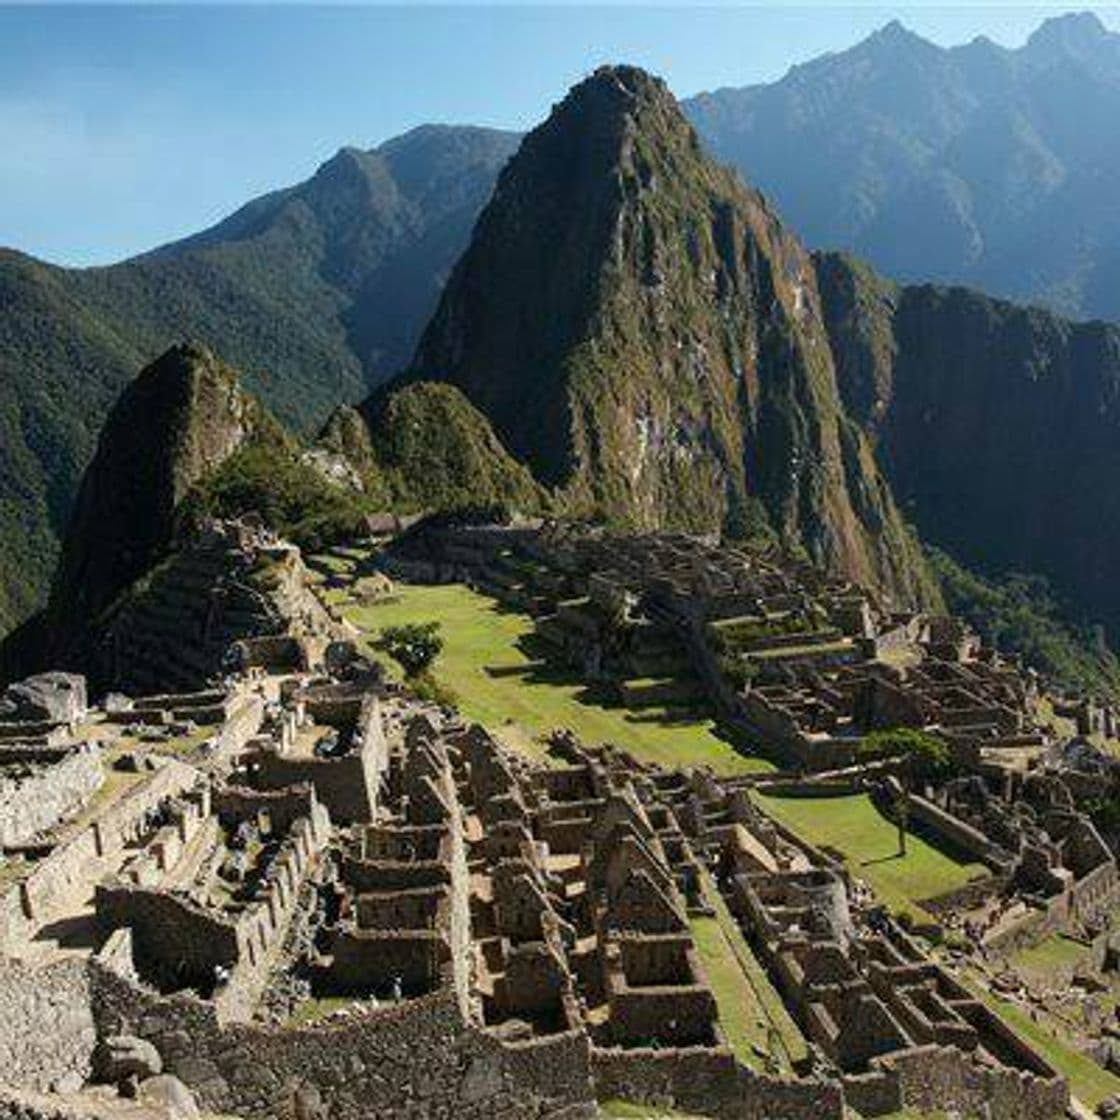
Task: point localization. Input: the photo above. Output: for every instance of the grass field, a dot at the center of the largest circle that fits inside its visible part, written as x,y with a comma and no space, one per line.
739,1013
627,1110
519,699
869,842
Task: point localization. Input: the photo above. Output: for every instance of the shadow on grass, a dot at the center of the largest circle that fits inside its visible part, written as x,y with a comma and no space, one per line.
881,859
670,717
543,669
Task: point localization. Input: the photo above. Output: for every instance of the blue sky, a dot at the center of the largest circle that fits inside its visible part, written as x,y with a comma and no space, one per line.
123,127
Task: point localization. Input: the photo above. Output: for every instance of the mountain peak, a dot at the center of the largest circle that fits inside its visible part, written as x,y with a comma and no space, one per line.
646,337
631,80
896,29
182,416
1072,32
616,92
897,36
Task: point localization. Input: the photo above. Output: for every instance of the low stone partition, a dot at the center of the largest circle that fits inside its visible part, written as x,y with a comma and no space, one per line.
710,1082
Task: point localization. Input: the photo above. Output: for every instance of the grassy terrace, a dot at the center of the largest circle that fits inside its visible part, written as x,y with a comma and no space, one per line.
1051,955
869,842
520,699
626,1110
1088,1082
750,1010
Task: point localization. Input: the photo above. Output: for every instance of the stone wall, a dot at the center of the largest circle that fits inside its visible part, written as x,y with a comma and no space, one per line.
937,1078
20,1104
348,786
710,1082
46,1028
418,1058
955,833
1084,901
283,807
27,903
242,722
56,789
175,942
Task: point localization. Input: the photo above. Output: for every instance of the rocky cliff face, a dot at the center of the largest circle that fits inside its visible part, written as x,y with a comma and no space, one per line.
177,422
997,425
645,334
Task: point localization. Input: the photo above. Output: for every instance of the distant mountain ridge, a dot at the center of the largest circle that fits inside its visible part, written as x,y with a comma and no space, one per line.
317,292
974,164
998,425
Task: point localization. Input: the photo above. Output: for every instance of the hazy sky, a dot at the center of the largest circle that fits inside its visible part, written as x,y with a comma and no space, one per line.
123,127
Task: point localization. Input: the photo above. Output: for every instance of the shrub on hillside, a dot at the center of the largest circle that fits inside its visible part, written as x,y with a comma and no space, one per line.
290,496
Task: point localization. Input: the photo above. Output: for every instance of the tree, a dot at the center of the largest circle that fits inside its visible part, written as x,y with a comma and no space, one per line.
928,755
902,817
413,646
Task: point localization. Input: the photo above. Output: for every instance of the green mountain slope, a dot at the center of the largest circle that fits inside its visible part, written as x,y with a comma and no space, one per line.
317,293
428,448
172,427
644,333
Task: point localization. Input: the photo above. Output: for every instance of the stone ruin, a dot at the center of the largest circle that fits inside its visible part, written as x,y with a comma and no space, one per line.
784,654
229,583
298,891
462,930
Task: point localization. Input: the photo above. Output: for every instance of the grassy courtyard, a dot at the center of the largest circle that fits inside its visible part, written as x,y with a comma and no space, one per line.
869,842
519,699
